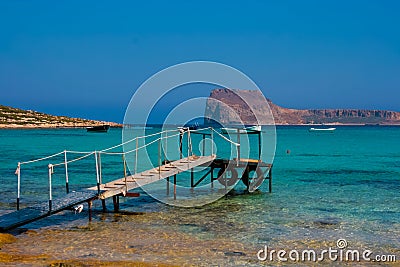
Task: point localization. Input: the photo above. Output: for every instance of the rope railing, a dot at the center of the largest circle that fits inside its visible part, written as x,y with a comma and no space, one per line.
227,139
73,160
136,149
233,143
136,138
40,159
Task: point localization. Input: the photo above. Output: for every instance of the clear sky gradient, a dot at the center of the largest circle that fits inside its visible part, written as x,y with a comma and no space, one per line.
86,58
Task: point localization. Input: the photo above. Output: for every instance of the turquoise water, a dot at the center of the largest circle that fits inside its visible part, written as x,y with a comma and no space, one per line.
344,184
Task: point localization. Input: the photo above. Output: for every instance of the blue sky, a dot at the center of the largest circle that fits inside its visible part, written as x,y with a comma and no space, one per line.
86,58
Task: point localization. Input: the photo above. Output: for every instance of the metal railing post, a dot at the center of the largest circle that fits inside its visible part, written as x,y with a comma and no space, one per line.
100,169
18,183
97,173
259,145
159,158
188,156
212,141
180,143
126,183
66,171
50,192
204,144
136,154
166,145
189,143
238,147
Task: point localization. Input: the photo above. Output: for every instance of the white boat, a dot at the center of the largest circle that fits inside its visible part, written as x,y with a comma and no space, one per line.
322,129
250,129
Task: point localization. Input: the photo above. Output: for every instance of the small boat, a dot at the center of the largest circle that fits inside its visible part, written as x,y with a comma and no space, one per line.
250,129
254,128
322,129
98,129
190,126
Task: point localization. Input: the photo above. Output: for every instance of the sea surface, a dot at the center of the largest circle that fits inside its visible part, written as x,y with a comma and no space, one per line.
326,186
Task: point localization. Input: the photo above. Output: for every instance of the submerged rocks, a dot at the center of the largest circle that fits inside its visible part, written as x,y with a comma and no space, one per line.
326,222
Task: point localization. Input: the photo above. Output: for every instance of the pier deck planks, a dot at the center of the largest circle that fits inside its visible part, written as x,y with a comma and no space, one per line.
26,215
150,176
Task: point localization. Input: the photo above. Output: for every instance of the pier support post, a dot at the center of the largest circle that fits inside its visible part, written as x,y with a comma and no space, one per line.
167,186
226,181
270,180
247,171
103,204
90,204
174,186
191,178
212,177
116,203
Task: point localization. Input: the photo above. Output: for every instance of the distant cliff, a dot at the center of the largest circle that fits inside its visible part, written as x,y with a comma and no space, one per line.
18,118
240,111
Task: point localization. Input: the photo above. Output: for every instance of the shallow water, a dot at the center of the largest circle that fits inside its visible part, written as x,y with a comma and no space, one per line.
344,184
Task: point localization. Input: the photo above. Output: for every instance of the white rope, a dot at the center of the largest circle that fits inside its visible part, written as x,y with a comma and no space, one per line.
78,152
227,139
73,160
138,137
36,160
136,149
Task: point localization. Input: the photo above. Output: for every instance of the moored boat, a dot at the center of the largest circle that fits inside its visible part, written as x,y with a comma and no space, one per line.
250,129
322,129
98,128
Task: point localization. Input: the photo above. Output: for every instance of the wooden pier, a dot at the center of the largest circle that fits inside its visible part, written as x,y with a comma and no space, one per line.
253,173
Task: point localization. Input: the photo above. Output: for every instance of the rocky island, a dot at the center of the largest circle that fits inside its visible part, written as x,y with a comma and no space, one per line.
287,116
18,118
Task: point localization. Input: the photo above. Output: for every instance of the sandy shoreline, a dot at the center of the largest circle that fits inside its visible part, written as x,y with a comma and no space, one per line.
114,244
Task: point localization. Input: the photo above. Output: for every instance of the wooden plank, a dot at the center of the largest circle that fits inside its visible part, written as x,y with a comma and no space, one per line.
110,186
18,218
120,183
250,160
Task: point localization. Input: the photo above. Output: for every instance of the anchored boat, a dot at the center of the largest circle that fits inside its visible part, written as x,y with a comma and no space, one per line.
322,129
250,129
98,128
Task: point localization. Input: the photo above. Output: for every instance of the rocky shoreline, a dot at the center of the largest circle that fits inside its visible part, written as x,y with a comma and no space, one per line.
59,126
239,111
14,118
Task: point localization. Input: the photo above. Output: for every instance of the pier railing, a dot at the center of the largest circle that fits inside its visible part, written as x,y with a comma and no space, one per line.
161,157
